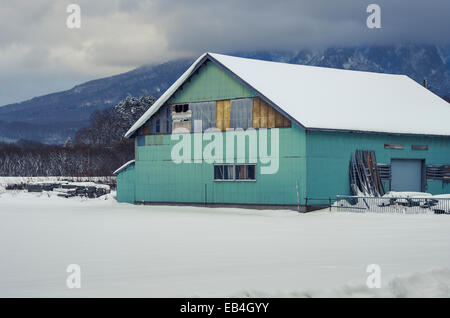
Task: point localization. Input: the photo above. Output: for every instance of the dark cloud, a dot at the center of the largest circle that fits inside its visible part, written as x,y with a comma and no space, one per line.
118,35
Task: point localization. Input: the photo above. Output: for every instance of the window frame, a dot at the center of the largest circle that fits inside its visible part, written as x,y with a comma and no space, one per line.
234,172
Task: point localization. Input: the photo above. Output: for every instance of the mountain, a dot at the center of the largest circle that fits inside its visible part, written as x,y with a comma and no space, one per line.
77,104
50,112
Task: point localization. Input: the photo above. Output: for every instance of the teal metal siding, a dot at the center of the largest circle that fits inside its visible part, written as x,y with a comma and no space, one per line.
328,156
126,185
159,179
210,84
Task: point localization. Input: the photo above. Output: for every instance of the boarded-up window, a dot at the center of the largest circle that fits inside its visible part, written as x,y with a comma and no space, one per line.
181,117
241,113
206,112
223,114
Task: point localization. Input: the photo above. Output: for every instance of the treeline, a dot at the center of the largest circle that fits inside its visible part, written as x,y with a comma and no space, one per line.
56,160
95,151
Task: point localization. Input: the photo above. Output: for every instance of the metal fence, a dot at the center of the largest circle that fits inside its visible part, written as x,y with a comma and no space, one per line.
391,204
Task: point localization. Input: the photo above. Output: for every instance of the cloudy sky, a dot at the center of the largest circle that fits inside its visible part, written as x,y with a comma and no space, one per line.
39,54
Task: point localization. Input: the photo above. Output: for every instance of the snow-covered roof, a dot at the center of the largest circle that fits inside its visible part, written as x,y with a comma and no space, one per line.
332,99
124,166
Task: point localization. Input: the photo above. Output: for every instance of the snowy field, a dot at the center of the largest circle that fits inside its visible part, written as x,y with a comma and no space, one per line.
161,251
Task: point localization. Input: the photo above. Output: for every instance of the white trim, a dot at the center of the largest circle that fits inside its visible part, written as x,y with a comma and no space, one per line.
124,166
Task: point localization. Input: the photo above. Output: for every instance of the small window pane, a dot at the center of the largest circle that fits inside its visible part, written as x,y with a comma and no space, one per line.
245,172
251,172
218,172
228,173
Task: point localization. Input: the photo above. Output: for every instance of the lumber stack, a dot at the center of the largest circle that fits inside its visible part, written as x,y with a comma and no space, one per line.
364,176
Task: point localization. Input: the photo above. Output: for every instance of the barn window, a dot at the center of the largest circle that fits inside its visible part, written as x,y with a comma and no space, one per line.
223,172
245,172
235,172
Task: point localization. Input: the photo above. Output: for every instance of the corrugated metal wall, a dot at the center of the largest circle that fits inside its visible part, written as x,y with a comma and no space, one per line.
328,156
159,179
126,185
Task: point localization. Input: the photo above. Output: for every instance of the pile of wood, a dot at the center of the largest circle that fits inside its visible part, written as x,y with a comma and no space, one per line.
71,189
364,176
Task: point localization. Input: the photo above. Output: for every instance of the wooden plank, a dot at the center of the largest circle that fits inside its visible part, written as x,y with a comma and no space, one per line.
270,117
278,120
256,113
264,115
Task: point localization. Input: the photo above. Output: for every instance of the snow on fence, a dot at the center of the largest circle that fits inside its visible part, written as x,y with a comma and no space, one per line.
390,204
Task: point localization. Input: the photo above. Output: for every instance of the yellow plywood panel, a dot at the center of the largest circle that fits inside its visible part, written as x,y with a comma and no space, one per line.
271,117
263,118
223,114
256,113
226,114
278,120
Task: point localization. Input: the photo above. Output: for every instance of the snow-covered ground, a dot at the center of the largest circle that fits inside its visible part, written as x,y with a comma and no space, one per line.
162,251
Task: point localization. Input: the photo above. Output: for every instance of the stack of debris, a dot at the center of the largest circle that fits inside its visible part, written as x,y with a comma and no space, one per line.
71,189
364,176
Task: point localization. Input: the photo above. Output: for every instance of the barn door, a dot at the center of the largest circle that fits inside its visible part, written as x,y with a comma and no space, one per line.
406,175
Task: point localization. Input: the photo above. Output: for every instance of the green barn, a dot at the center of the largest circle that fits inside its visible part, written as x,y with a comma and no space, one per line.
236,131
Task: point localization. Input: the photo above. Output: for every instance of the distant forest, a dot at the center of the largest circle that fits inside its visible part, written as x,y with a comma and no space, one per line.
96,150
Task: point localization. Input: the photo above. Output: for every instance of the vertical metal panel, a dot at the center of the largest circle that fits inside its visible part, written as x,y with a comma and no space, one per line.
219,115
125,185
204,111
241,113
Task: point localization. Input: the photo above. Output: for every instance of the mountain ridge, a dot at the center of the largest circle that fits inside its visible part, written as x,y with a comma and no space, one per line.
417,61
